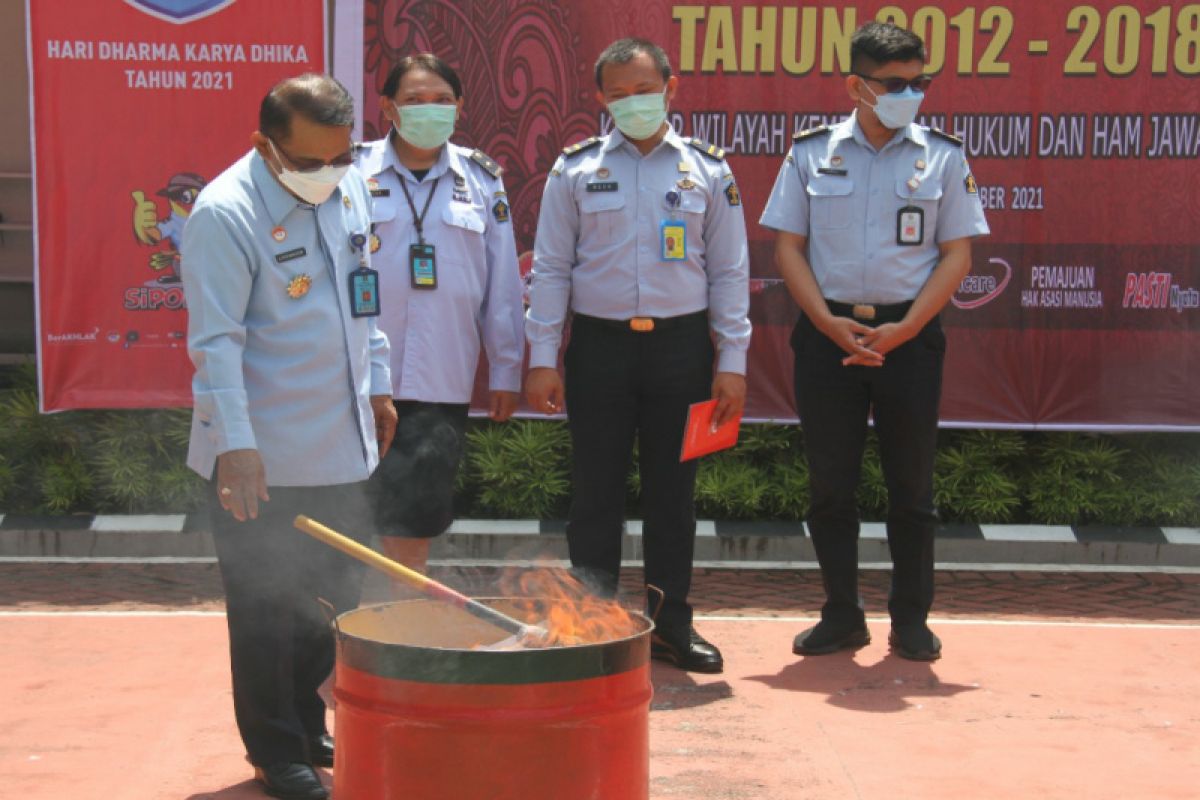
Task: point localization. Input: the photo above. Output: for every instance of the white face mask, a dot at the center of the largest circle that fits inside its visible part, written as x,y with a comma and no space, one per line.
896,110
312,187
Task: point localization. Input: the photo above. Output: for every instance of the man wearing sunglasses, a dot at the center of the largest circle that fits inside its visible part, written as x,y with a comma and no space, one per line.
292,406
874,219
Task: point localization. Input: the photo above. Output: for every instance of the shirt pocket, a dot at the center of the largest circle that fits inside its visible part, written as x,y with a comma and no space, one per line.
829,200
601,215
463,229
927,197
383,209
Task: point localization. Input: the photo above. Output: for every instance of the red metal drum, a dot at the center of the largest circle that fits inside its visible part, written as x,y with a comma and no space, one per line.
423,716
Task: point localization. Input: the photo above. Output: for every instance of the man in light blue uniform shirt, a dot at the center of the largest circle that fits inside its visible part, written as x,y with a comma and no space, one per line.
641,236
431,192
875,218
291,407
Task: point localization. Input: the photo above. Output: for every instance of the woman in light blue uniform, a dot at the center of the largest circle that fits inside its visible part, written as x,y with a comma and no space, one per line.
450,287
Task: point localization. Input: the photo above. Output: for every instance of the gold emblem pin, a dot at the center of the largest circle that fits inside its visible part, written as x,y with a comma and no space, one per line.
278,233
602,172
685,166
298,286
685,183
346,200
835,161
920,163
375,243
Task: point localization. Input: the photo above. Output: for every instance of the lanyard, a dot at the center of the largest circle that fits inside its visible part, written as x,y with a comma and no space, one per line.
418,221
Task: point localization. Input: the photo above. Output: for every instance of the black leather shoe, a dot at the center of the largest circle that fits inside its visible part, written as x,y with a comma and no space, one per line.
320,751
915,642
686,649
825,637
291,781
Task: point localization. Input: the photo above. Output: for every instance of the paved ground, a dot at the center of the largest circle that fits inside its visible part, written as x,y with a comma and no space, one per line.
114,685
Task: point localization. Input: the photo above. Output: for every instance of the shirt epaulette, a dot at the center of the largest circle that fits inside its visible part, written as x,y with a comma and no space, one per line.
710,150
579,147
800,136
949,137
487,162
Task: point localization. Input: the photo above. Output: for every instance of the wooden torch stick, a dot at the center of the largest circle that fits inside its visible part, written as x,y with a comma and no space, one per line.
422,583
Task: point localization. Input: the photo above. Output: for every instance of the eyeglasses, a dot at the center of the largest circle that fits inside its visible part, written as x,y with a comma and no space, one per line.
313,164
897,85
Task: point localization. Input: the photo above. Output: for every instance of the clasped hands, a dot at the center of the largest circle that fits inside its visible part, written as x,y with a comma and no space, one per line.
865,345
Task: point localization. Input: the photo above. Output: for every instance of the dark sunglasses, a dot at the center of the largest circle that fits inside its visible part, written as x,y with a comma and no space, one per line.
897,85
313,164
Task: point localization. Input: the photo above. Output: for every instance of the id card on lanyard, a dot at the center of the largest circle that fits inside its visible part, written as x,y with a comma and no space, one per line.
422,257
364,282
672,233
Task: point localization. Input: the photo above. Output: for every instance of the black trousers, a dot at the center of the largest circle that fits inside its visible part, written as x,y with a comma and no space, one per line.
412,490
834,402
281,647
622,385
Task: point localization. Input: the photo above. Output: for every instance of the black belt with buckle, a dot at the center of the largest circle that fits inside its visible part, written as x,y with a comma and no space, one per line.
869,314
646,324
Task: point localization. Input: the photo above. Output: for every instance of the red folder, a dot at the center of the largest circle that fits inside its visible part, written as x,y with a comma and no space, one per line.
700,437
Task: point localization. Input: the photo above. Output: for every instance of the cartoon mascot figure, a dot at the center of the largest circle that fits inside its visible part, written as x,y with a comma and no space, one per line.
181,192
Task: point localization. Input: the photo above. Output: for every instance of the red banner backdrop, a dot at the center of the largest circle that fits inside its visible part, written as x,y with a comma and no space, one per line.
1081,123
137,104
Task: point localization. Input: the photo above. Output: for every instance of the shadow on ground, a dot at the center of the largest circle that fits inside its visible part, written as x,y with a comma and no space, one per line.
887,686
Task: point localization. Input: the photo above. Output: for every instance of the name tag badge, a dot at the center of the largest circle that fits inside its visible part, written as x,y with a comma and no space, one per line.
674,240
422,263
602,186
910,226
364,292
290,255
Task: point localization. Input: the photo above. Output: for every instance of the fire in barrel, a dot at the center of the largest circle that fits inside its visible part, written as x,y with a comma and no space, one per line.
437,700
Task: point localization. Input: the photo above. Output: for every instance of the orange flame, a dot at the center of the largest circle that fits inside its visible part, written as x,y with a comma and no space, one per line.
562,605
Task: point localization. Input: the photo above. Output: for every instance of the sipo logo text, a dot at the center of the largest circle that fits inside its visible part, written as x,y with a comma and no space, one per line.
152,298
1157,290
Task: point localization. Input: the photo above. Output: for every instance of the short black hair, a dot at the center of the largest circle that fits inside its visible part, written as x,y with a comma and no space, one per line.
622,51
316,97
878,43
426,61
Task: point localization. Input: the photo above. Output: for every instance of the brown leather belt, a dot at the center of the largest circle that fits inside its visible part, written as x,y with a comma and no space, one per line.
869,314
645,324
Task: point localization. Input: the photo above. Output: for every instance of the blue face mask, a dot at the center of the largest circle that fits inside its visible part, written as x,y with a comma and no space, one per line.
639,116
897,110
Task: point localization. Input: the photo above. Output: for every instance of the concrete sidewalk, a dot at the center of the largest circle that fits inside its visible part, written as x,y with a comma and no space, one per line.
137,707
758,544
1054,684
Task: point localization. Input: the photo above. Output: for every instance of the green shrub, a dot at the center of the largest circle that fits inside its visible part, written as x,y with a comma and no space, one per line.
729,486
1075,479
130,461
520,468
1161,484
133,461
975,476
787,487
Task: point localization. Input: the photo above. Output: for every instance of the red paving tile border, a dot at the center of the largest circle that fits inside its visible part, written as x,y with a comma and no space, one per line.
715,592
